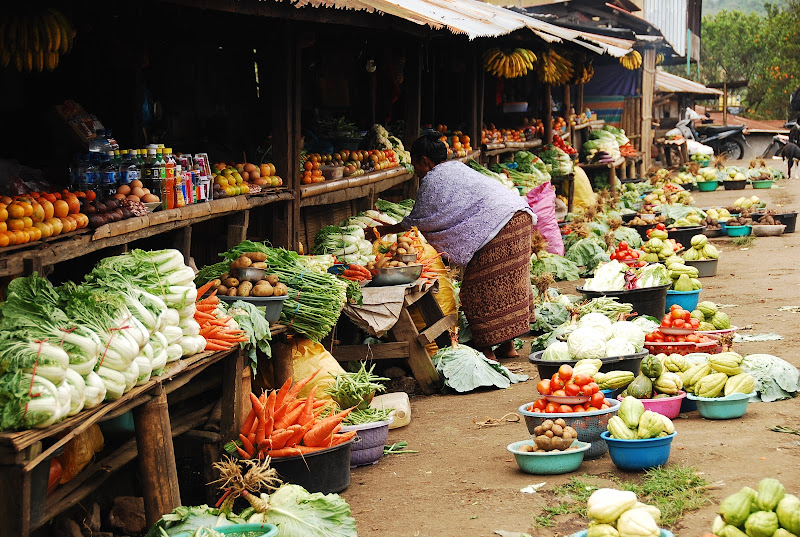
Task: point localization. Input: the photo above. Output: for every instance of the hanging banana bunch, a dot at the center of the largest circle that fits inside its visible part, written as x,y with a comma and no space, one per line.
632,60
659,58
508,63
34,40
583,73
554,69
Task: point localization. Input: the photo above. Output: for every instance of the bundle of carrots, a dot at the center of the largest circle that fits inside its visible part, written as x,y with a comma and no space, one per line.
356,273
217,331
628,150
429,272
281,425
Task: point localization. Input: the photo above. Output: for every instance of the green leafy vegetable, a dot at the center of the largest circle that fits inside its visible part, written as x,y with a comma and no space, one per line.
298,512
252,321
465,369
560,267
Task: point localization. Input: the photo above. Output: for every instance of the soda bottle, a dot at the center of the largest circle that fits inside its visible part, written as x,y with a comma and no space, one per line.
108,174
180,197
151,173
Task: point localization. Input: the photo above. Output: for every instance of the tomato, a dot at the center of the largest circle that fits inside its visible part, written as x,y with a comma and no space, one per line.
565,372
572,389
591,409
605,406
543,387
565,409
650,337
635,254
693,338
560,393
675,307
622,245
537,410
540,403
581,379
660,226
551,408
687,315
556,383
670,339
677,314
678,323
597,399
591,388
695,323
680,339
666,323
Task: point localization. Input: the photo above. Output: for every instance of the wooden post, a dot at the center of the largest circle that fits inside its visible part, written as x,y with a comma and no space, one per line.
183,241
548,115
15,494
725,102
579,99
413,86
648,86
237,227
232,395
475,97
157,471
418,360
567,103
282,365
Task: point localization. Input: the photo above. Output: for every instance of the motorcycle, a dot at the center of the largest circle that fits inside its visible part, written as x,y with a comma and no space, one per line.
727,139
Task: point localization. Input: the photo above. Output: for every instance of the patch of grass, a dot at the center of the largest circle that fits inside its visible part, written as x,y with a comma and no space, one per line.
674,490
744,242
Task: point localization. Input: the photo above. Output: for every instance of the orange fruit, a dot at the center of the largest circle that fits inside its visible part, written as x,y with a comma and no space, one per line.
67,223
58,226
35,233
12,237
27,220
22,237
90,195
308,165
73,204
15,224
15,210
5,200
82,219
73,222
50,197
4,240
47,206
3,227
3,213
60,209
45,230
26,207
38,212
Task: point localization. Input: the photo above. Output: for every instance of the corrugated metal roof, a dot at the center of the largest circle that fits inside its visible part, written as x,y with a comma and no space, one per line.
670,16
669,83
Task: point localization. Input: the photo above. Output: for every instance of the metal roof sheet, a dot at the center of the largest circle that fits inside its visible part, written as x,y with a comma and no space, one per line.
669,83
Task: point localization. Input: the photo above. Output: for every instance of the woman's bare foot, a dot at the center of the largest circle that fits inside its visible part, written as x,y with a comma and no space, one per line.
506,350
488,352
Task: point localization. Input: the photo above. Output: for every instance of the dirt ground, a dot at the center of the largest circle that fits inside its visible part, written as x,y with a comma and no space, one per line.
463,482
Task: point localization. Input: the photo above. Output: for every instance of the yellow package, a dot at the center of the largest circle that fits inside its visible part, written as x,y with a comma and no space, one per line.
307,357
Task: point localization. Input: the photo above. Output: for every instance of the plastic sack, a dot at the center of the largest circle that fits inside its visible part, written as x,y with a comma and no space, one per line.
79,452
307,357
542,201
584,195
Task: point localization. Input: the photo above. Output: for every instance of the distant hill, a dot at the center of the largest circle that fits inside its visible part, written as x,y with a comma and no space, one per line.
712,7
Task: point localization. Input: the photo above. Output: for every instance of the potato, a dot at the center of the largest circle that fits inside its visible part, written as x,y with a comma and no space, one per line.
543,442
260,282
255,256
232,291
560,421
280,289
231,282
225,276
263,289
241,262
547,425
538,430
260,264
222,290
393,247
549,433
527,448
381,262
569,432
405,239
401,250
244,289
216,283
557,430
272,279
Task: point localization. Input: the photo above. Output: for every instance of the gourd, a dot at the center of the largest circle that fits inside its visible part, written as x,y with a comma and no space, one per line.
770,492
669,427
721,321
675,363
618,429
630,410
761,524
668,383
614,380
683,284
736,508
606,505
718,526
741,383
651,367
788,512
726,362
641,387
780,532
637,523
602,530
692,375
654,511
650,425
711,385
733,531
709,309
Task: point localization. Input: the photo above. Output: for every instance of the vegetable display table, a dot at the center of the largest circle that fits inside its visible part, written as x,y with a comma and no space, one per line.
21,452
672,152
611,167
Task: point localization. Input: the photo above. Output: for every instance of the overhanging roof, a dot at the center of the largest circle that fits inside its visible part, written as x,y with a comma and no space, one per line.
669,83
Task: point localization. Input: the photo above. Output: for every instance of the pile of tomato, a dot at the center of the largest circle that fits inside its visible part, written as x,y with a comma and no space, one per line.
677,317
565,383
625,254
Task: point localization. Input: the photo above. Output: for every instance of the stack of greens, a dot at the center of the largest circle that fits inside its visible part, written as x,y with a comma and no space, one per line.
557,161
357,389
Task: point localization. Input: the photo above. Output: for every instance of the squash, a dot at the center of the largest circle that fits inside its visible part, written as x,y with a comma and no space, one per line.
711,385
650,425
606,505
736,508
651,367
770,492
741,383
602,530
641,387
637,523
618,429
761,524
789,513
630,410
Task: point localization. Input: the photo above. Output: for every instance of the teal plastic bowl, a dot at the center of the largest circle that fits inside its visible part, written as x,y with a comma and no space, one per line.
550,462
249,530
722,408
686,299
737,231
767,183
638,454
583,533
707,186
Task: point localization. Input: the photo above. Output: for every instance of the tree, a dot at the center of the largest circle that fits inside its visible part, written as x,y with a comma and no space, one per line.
730,48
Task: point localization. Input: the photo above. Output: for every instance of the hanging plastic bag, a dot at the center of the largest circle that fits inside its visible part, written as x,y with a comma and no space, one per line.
542,201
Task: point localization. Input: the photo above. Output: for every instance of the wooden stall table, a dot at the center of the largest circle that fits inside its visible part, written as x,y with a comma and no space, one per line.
672,152
490,153
630,168
386,311
567,185
22,453
611,167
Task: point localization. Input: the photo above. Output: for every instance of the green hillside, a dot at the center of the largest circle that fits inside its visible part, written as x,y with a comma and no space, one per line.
711,7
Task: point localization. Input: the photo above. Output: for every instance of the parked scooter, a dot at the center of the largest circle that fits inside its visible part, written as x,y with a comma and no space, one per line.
722,139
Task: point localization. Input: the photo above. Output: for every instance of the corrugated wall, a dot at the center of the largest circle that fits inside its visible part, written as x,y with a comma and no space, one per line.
670,16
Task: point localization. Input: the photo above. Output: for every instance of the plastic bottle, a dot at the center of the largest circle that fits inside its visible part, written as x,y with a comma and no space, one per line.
169,179
91,177
180,199
109,175
151,173
99,144
128,169
75,172
397,400
111,141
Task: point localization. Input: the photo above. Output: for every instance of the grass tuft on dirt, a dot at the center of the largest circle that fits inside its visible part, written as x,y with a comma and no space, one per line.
674,490
744,242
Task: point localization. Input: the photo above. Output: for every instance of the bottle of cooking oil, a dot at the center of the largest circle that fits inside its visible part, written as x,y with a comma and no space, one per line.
399,402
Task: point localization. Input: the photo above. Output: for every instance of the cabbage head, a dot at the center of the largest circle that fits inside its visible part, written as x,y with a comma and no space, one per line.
630,332
586,342
618,346
558,351
598,321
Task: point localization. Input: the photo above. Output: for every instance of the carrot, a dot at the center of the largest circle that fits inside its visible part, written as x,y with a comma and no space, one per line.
203,315
252,438
279,398
320,403
291,451
243,453
280,439
262,422
254,427
248,421
355,274
203,289
220,343
295,390
308,410
341,438
205,307
323,428
215,347
299,434
257,405
247,445
269,408
291,416
210,299
329,439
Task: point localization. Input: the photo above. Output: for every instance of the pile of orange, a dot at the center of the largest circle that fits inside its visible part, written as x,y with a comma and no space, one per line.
311,171
40,215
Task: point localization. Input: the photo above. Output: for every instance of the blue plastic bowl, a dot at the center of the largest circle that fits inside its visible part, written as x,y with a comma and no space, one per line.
550,462
737,231
582,533
638,454
722,408
685,299
687,405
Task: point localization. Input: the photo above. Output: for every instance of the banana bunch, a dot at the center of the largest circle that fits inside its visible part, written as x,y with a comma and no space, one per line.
632,60
554,69
660,58
34,41
508,64
583,73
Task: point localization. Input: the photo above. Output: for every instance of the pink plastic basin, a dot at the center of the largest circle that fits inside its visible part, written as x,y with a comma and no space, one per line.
667,406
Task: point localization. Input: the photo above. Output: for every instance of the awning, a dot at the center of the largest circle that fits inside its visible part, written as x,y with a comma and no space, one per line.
669,83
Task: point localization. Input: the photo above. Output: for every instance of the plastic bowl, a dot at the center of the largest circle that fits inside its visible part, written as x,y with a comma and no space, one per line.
325,471
547,368
550,462
272,304
767,183
731,184
707,186
645,301
396,275
638,454
583,533
666,406
685,299
588,425
370,438
766,230
241,530
705,267
684,234
722,408
711,233
737,231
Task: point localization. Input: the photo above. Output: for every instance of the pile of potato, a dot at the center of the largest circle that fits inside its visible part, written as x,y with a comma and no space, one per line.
403,246
552,436
268,286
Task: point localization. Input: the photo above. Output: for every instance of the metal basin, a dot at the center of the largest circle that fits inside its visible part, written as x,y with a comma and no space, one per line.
396,275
